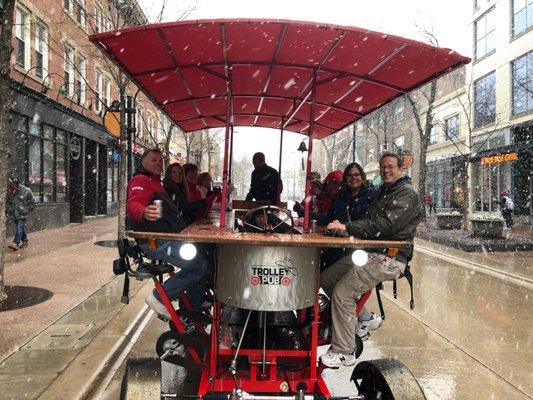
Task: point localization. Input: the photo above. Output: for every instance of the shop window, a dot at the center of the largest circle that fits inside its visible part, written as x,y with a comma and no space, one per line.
69,71
41,49
522,16
19,159
48,171
34,165
485,34
433,135
485,100
522,71
112,176
61,174
22,35
452,127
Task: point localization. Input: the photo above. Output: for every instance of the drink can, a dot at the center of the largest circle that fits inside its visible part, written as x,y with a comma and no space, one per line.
159,205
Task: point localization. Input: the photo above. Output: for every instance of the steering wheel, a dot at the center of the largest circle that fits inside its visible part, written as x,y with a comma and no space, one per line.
250,224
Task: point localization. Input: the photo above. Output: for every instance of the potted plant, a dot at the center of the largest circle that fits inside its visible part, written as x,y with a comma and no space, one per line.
488,226
449,220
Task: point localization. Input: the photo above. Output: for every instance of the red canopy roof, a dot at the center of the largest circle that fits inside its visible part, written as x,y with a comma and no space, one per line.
266,67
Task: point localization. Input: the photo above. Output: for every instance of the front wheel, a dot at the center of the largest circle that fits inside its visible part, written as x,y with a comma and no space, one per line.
386,379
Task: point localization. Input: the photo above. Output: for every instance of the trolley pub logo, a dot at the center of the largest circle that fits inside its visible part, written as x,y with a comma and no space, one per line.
499,158
279,273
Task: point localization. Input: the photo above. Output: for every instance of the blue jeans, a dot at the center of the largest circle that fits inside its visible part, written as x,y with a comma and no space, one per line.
20,231
191,276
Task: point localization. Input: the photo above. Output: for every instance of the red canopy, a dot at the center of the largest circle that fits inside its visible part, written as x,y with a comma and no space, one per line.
266,68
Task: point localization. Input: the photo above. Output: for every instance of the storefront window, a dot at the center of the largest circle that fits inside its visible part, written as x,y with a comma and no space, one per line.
112,176
61,175
34,165
48,171
489,181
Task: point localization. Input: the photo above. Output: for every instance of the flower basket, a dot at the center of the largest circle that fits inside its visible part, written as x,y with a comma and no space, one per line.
451,220
487,227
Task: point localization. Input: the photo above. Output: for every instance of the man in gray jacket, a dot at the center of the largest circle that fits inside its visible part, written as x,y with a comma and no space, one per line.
393,215
20,203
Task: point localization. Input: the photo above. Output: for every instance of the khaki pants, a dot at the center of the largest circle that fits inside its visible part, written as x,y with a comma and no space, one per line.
344,283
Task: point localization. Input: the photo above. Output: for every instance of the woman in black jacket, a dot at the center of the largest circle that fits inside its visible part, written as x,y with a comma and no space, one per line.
177,189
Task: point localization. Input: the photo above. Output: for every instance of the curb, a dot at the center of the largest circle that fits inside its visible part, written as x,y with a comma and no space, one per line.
518,280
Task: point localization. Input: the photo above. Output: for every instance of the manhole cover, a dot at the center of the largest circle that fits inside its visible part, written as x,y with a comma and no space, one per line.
23,296
106,243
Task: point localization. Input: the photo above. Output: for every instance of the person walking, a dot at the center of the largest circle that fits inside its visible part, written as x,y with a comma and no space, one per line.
507,208
20,203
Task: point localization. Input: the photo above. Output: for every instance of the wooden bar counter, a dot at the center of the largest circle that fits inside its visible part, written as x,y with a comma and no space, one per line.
208,231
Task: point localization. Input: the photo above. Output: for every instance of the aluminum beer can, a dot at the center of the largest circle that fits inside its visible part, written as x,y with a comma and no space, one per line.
159,205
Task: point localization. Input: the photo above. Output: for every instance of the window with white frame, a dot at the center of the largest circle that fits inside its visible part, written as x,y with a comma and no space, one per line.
399,141
398,113
452,127
149,127
139,123
67,5
41,49
485,100
80,12
522,74
485,34
97,19
22,35
98,81
433,135
69,70
522,16
81,67
107,92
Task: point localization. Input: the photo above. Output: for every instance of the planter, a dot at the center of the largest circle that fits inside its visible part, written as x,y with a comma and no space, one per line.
487,228
449,221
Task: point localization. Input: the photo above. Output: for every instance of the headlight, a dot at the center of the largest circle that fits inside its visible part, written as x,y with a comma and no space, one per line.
188,251
360,257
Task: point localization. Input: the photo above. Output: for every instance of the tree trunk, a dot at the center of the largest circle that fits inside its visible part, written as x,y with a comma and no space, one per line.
6,16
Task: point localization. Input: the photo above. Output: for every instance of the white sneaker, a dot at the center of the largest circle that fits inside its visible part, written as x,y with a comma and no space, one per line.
158,307
333,359
364,327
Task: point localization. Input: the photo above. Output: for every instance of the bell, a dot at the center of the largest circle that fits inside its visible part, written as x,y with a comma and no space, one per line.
302,147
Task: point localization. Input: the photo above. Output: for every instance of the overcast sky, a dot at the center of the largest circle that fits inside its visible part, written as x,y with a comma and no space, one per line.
448,20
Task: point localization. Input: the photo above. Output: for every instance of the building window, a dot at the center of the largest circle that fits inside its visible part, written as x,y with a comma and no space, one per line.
433,135
67,5
383,148
98,92
39,159
41,49
107,92
399,141
522,70
452,127
371,155
22,34
398,113
485,34
522,16
485,100
139,122
69,70
80,79
97,19
80,12
112,175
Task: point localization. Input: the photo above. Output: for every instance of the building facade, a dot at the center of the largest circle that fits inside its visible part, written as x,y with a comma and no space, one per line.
61,88
500,83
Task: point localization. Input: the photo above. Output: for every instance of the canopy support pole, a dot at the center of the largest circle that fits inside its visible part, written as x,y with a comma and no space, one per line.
230,179
308,178
280,155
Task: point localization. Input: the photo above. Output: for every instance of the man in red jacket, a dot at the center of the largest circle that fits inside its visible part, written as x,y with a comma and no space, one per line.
142,215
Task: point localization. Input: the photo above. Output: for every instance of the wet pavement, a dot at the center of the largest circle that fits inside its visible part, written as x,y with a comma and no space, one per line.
469,335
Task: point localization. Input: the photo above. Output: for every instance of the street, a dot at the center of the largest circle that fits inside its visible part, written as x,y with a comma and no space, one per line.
468,336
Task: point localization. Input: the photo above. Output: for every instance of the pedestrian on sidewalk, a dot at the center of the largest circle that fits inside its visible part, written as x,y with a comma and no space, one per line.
507,208
19,203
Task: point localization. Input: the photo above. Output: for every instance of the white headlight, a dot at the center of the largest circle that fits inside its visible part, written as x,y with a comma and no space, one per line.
188,251
360,257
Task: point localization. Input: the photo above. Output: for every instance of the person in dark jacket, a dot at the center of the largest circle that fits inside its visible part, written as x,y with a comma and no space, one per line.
177,189
142,215
265,185
20,203
393,215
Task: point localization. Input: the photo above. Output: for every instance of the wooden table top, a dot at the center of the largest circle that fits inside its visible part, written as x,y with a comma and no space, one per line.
208,231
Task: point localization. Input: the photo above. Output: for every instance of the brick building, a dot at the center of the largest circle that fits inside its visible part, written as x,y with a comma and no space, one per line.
61,87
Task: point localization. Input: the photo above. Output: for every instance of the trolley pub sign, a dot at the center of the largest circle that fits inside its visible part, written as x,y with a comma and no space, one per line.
500,158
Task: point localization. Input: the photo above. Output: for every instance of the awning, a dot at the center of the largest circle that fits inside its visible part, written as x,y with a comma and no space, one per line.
268,68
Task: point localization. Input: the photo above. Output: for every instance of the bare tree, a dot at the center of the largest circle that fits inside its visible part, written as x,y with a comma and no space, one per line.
6,27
